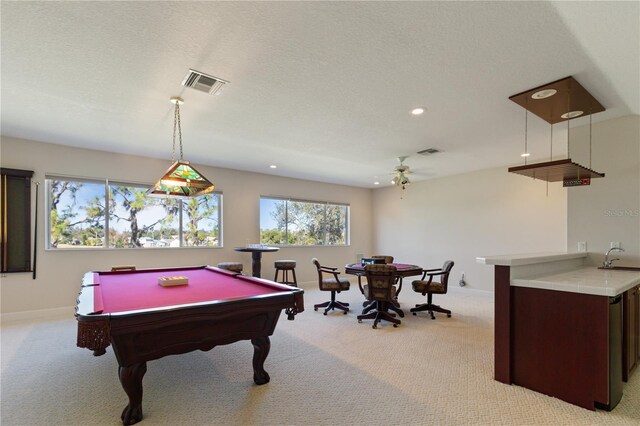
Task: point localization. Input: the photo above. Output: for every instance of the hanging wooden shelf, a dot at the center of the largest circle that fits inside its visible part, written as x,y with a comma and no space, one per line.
555,102
556,171
569,96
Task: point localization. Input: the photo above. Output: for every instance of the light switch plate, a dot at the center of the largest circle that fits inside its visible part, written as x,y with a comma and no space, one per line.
615,244
582,247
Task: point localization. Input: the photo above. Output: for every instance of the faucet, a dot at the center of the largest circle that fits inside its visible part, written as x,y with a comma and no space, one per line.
608,263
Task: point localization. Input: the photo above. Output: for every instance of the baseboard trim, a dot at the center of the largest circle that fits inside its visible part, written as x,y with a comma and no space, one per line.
64,312
457,289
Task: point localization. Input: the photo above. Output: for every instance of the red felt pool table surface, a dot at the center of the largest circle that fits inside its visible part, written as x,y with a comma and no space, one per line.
138,290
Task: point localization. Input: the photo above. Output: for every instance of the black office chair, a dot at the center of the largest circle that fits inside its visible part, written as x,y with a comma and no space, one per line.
430,287
334,284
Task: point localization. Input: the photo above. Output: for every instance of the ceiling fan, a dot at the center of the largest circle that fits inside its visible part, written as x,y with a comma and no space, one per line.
401,171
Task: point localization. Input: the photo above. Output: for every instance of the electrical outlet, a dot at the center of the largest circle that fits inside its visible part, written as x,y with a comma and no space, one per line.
582,246
615,244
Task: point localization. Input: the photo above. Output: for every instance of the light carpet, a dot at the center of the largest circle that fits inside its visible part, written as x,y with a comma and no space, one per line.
324,370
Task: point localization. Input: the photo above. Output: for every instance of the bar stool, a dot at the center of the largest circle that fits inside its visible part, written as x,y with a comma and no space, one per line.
285,266
231,266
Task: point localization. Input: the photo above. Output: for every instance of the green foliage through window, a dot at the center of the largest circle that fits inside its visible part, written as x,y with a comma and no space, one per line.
86,214
303,223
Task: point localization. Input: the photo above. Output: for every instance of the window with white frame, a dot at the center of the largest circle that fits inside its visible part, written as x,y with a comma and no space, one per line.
303,223
87,213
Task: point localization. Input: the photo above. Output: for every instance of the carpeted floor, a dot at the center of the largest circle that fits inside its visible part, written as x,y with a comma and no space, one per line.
325,370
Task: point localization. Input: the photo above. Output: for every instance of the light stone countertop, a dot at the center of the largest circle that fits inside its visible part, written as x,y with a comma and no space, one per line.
528,258
585,280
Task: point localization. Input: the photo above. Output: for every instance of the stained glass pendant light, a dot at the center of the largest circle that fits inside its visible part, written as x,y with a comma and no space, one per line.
182,180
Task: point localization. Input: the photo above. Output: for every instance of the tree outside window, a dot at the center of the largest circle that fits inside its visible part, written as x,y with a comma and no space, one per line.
304,223
78,217
76,214
200,218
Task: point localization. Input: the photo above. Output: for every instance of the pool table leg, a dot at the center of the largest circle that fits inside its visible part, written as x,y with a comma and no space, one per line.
261,347
131,380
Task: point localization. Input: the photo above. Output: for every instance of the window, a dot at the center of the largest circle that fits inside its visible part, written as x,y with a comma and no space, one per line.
79,217
303,223
76,213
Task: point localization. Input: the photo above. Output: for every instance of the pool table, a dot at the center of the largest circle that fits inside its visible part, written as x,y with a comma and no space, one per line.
144,321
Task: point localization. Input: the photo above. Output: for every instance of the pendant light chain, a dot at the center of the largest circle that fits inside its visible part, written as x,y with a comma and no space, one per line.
590,139
568,139
176,124
568,126
526,126
173,147
550,155
551,145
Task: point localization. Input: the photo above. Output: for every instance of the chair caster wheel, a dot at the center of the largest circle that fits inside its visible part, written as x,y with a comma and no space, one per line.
373,326
395,325
345,312
324,313
414,313
359,321
315,309
431,317
448,315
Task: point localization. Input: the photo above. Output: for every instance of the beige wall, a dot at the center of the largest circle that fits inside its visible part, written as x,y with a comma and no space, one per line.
483,213
492,212
609,209
59,272
458,217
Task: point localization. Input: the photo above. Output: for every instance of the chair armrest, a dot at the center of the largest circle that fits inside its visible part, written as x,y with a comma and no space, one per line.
430,272
327,269
334,273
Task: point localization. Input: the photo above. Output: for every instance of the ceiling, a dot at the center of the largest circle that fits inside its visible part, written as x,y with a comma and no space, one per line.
321,89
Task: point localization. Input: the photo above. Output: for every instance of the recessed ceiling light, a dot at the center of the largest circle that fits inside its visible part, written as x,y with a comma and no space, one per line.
525,154
273,166
417,111
543,94
376,183
572,114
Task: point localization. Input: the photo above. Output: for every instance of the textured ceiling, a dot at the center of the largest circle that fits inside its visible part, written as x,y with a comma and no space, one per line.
322,89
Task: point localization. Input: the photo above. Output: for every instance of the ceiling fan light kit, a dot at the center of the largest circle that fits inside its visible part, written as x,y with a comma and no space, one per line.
554,102
401,179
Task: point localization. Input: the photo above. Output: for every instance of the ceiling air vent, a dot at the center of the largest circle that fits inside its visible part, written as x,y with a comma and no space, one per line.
203,82
428,151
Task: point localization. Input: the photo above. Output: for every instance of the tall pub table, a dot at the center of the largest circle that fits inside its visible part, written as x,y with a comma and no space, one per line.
256,251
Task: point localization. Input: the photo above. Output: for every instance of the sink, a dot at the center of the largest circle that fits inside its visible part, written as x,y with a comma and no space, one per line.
622,268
